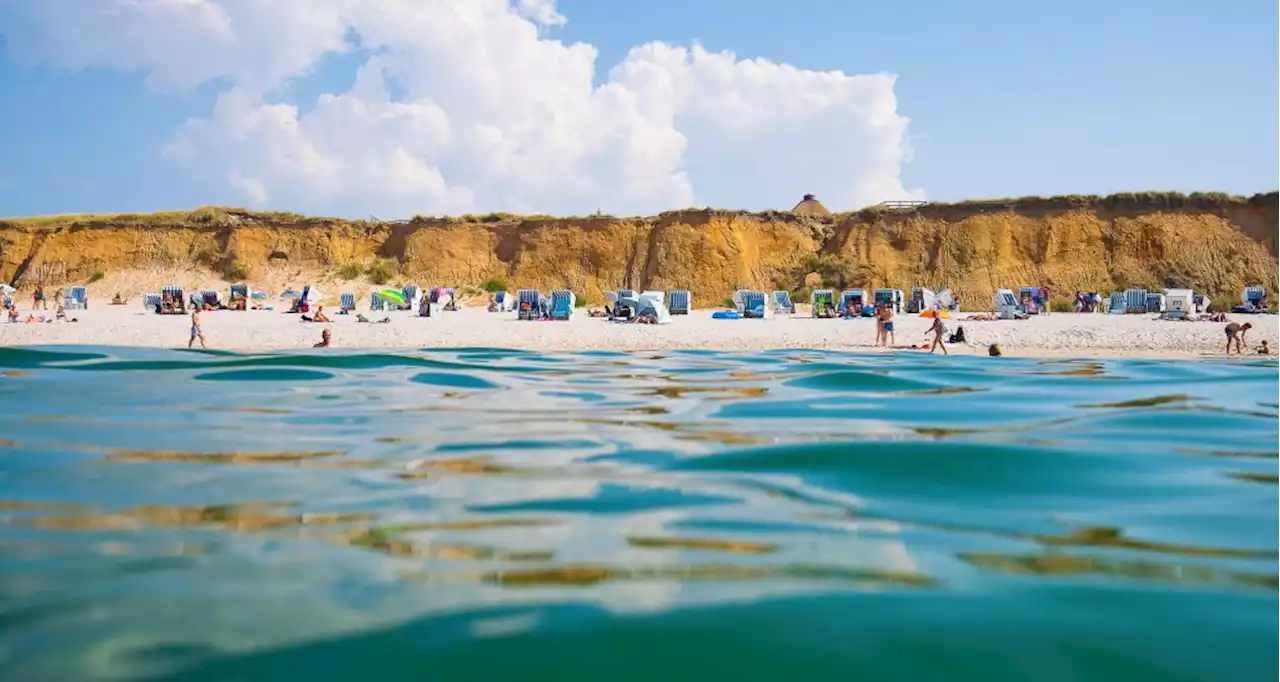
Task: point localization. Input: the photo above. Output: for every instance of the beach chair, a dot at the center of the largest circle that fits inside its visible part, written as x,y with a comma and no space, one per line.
782,302
412,295
502,300
76,297
889,297
209,297
739,298
562,304
1117,304
177,300
852,302
347,302
376,302
922,299
1005,304
527,304
1251,300
238,292
1135,301
1155,302
152,301
680,302
1029,294
754,304
822,302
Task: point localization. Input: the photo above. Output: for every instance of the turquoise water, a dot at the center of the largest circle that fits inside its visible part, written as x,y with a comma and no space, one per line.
499,515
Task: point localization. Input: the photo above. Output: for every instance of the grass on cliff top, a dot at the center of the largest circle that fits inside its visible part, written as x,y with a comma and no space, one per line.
223,216
205,215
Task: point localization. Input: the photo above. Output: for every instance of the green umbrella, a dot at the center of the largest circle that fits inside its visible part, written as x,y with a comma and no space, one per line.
392,295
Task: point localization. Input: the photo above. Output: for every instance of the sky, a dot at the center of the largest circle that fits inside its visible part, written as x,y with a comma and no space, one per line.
391,108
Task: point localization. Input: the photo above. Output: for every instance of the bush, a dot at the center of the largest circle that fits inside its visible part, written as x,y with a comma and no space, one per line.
97,276
350,271
235,271
495,285
381,271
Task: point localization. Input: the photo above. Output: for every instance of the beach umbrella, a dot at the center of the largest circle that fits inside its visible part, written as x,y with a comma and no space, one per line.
259,294
7,289
289,293
936,313
392,296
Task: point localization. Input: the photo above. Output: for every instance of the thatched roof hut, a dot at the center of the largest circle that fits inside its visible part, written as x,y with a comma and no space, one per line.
811,207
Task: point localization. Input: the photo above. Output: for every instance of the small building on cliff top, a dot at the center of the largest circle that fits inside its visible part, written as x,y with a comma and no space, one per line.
811,207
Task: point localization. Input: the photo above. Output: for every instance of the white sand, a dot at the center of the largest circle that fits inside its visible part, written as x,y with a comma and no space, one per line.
1057,335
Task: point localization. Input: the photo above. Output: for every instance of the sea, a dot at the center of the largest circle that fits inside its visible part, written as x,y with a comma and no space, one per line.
485,514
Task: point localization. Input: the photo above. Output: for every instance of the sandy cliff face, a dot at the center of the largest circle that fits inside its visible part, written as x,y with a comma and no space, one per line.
1212,243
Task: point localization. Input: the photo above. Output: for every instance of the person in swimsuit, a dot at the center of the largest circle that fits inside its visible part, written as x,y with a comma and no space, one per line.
1235,332
890,338
326,339
196,331
938,329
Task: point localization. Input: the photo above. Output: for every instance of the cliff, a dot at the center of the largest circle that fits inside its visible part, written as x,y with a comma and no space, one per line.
1212,242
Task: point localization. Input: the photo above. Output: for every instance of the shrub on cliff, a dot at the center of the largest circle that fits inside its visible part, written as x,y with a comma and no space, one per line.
350,271
235,271
381,271
97,276
495,285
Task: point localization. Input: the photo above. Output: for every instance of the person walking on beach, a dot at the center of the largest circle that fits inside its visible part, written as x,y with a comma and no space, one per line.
37,298
1235,332
938,329
196,331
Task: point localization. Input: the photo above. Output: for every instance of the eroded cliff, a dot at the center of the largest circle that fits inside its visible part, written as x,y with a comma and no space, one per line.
1213,243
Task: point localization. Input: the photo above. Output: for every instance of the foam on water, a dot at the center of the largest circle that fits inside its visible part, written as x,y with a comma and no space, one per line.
494,514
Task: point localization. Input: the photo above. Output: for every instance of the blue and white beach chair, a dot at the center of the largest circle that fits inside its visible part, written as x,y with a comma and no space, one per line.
754,304
1117,303
527,303
1135,301
822,303
782,302
680,302
562,304
76,297
347,301
152,302
177,300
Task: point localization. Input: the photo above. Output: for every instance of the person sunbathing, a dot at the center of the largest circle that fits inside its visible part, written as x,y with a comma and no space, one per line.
320,316
13,314
61,313
117,300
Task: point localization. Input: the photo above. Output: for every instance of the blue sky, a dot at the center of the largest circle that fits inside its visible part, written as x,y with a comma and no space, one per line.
1004,98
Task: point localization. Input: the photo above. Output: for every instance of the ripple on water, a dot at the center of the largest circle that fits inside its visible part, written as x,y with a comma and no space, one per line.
1115,517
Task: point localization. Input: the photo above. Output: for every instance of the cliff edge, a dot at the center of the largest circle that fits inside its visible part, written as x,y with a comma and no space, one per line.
1210,242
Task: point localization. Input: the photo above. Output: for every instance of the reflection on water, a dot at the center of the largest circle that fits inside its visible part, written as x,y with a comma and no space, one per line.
968,518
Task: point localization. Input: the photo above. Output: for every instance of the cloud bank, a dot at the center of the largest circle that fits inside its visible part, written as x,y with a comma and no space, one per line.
468,105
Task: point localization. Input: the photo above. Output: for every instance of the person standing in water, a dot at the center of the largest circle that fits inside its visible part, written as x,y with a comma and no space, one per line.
196,331
886,325
326,339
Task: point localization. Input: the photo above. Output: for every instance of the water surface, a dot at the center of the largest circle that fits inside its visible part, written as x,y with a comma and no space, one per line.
500,515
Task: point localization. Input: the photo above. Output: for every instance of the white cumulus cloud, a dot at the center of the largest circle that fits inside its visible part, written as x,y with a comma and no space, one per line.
469,105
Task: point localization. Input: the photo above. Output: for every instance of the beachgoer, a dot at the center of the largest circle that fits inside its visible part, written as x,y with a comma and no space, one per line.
61,313
1264,349
37,297
887,326
320,316
196,331
326,339
1235,332
1044,298
994,350
117,300
938,329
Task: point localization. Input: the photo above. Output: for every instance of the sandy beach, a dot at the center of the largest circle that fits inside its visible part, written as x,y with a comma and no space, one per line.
1057,335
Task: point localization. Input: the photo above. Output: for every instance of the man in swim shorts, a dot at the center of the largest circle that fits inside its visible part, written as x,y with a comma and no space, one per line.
196,331
886,323
1235,332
